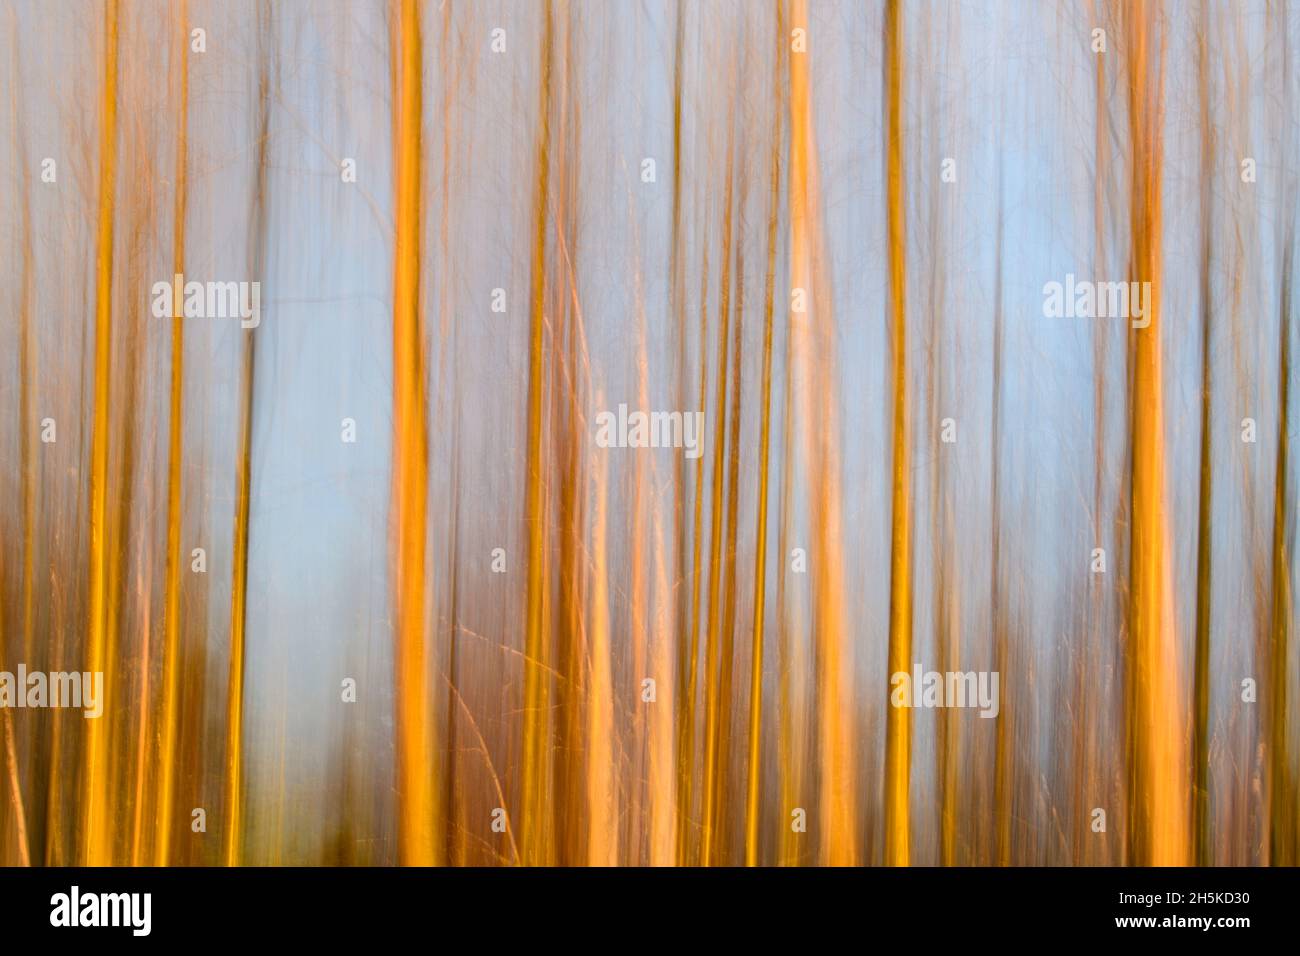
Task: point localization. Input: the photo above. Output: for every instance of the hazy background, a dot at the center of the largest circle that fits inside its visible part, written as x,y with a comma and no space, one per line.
629,273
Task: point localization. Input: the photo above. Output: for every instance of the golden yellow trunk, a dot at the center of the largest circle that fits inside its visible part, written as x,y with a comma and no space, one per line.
417,843
1157,723
96,838
898,724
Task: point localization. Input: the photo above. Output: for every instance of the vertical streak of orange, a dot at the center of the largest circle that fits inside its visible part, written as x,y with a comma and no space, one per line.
172,597
533,826
416,843
96,844
712,663
813,348
1158,726
602,797
754,773
898,727
1284,809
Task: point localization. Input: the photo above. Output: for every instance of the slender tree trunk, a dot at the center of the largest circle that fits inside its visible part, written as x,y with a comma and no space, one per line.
1156,724
534,825
96,828
898,727
417,795
1282,791
754,778
1202,848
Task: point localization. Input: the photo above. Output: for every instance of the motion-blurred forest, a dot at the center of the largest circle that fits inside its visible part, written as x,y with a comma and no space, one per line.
365,589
